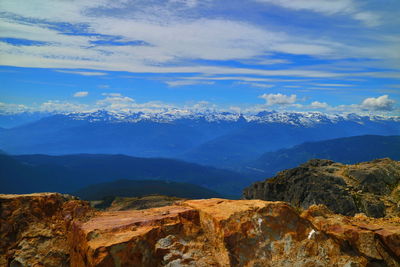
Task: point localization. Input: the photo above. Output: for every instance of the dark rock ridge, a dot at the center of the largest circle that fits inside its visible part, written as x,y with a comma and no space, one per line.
370,187
46,230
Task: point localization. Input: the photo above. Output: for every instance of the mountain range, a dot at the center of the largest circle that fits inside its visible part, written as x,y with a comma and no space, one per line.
69,173
347,150
219,139
12,120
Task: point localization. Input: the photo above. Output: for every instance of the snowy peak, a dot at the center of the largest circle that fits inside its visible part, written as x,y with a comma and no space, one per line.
176,115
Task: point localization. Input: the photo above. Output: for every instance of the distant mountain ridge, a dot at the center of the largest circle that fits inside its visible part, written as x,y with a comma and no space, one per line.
69,173
172,115
139,188
347,150
218,139
10,120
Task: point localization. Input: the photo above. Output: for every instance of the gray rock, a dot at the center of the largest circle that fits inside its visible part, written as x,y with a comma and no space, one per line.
344,189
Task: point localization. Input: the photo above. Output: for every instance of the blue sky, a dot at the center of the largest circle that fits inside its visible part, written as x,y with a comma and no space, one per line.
127,55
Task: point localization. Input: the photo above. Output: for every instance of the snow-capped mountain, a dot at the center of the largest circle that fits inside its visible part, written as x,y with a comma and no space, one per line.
172,115
207,137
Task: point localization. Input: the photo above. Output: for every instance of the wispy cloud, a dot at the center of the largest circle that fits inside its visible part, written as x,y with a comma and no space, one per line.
256,84
81,94
12,108
332,84
60,106
329,7
111,94
84,73
187,82
200,37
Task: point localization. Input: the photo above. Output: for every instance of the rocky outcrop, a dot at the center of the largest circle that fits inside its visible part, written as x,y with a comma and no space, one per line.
33,228
61,231
372,187
376,239
218,232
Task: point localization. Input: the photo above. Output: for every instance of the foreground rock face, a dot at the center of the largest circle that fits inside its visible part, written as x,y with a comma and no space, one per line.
372,187
33,228
210,232
217,232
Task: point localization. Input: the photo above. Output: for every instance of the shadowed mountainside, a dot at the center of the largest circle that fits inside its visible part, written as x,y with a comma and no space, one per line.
43,173
348,150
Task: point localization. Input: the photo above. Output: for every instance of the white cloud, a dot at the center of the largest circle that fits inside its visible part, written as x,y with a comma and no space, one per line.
303,48
319,105
116,102
200,38
81,94
36,32
330,7
187,82
278,99
332,84
256,84
381,103
12,108
74,57
119,103
187,3
201,106
111,94
271,61
368,18
243,78
320,6
60,106
83,73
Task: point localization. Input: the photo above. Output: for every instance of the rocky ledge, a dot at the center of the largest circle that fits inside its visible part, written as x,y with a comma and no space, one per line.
58,230
371,187
34,228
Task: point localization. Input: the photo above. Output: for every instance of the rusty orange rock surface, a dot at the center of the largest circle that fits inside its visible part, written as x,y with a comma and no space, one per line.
55,230
33,228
